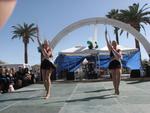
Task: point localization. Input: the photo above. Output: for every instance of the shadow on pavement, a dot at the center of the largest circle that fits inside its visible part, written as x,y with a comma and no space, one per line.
91,98
138,81
20,99
25,91
98,90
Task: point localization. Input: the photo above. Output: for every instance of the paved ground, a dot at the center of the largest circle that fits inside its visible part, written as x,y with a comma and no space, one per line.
89,97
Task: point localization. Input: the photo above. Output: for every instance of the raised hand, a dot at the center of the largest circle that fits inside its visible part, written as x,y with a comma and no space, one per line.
38,38
108,42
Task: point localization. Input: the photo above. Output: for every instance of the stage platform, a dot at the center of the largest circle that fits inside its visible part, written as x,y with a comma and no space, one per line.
79,97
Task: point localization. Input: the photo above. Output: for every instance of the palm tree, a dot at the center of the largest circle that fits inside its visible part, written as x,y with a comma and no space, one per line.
113,14
136,17
25,32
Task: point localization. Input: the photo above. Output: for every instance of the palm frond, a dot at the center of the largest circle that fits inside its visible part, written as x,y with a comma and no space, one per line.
143,28
143,8
14,36
145,14
32,39
121,32
145,20
25,31
127,35
31,25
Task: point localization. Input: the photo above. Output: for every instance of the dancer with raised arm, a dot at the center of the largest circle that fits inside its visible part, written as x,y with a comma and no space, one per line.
115,65
47,66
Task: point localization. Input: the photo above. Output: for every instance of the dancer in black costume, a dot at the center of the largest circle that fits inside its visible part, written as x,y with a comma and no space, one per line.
47,66
115,65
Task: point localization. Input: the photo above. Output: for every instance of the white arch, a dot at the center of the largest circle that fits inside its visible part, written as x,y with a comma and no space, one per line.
101,20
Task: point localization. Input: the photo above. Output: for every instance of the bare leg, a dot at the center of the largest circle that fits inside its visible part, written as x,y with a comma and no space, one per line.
44,78
118,72
114,79
48,83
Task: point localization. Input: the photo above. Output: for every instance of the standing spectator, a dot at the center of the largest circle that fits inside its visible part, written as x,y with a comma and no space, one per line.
19,77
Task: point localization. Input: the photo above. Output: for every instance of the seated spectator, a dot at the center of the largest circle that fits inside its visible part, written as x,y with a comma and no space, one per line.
1,81
27,78
4,82
33,80
11,80
13,71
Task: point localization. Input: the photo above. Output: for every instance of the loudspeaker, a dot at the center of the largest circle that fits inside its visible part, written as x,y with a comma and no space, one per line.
147,70
135,73
70,76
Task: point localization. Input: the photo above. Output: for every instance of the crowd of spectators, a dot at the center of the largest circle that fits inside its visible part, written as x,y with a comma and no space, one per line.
10,79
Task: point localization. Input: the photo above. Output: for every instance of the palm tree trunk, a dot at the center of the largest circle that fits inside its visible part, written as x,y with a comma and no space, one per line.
40,67
137,27
25,53
137,45
116,33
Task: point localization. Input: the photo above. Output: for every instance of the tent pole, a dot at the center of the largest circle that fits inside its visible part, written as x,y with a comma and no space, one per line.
99,64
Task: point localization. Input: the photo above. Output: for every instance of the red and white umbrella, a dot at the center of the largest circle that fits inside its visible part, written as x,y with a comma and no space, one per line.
6,8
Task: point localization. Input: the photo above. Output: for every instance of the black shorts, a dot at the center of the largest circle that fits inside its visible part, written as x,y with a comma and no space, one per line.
46,64
114,64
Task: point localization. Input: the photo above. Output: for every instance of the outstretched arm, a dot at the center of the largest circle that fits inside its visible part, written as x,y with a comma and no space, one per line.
40,44
108,42
38,38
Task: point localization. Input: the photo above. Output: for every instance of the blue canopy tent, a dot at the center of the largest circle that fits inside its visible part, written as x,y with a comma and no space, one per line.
128,61
73,61
70,63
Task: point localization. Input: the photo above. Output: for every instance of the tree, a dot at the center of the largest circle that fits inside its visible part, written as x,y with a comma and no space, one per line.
113,14
24,32
136,17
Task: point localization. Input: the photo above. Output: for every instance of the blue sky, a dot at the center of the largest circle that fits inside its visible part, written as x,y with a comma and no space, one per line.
54,15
